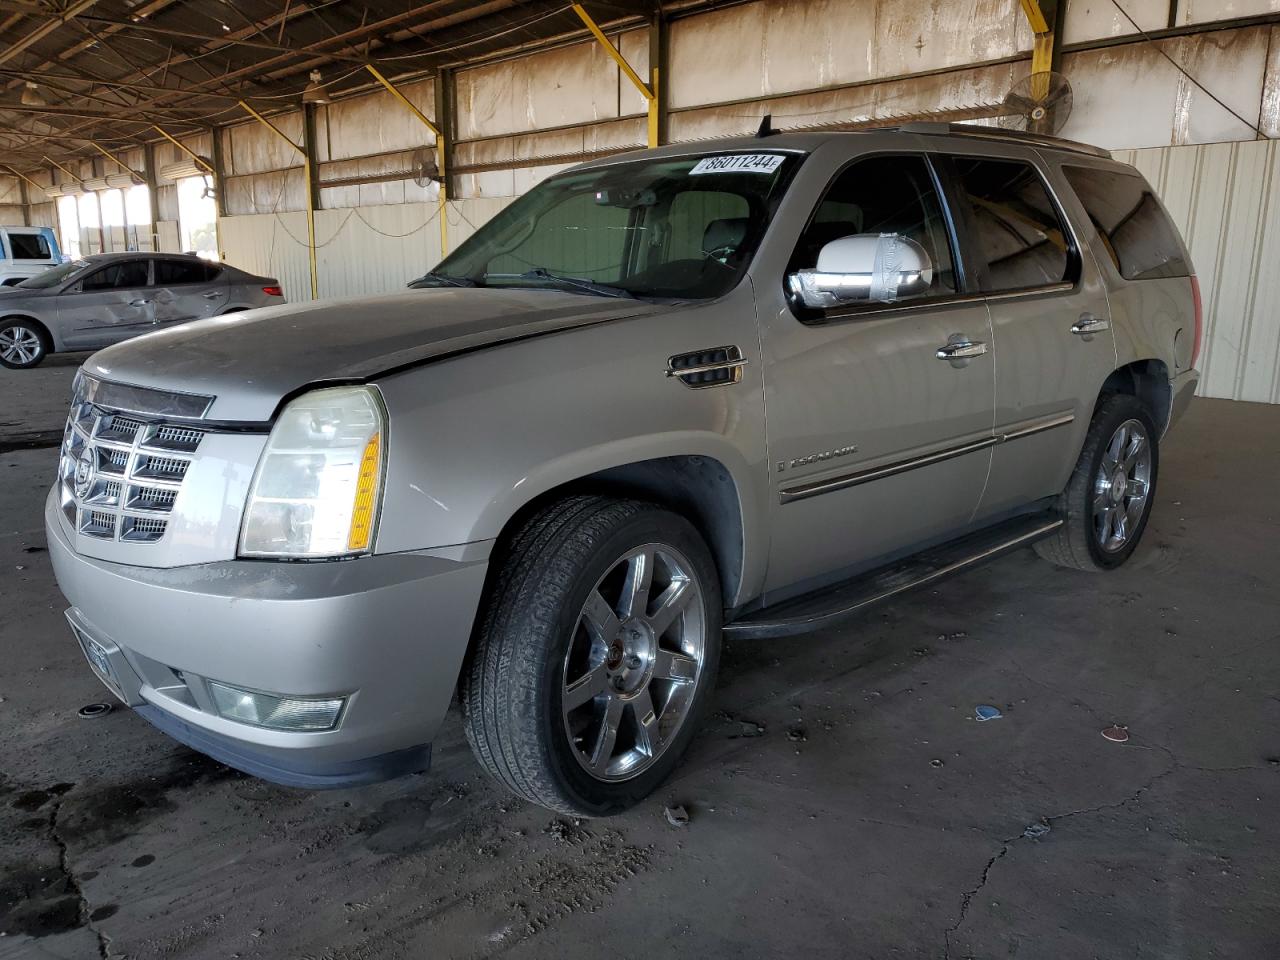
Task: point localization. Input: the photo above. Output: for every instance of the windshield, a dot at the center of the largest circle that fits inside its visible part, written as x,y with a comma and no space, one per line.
681,228
53,276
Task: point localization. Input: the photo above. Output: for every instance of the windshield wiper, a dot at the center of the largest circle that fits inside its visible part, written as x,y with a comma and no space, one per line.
442,279
573,283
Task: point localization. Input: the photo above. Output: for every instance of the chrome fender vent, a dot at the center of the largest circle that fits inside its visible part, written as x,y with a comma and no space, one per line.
715,367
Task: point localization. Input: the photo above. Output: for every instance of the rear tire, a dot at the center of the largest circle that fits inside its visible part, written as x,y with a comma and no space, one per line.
596,656
23,344
1108,499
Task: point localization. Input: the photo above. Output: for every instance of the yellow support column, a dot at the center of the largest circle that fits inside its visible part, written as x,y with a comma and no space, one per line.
311,207
118,162
1042,49
440,150
647,90
201,162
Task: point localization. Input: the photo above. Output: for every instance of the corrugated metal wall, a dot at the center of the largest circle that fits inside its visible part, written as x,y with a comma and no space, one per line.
809,63
1225,200
359,250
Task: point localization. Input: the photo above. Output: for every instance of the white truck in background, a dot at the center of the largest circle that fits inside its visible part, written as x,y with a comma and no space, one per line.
25,252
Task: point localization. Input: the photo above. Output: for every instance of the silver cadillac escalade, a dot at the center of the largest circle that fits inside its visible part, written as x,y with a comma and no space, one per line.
741,388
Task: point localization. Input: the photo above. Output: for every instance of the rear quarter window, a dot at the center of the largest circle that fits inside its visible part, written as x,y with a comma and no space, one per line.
177,272
1138,235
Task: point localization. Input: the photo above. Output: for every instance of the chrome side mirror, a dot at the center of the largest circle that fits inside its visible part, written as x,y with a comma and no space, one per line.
866,268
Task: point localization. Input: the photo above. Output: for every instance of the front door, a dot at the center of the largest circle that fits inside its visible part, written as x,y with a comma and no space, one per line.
1051,322
188,290
111,304
879,427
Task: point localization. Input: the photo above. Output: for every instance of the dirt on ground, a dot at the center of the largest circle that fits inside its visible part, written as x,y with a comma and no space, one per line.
844,801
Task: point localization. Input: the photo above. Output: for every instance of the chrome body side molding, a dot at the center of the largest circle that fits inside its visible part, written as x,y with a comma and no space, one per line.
801,491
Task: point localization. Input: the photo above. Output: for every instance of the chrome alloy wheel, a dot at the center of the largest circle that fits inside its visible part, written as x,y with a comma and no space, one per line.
19,345
1122,486
633,664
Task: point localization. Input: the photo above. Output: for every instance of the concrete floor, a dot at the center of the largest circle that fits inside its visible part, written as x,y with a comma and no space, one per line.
873,817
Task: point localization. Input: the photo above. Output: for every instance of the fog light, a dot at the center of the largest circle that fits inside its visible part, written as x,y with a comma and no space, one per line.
278,713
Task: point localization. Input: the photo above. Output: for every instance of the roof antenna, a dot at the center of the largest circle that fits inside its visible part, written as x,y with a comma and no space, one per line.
766,126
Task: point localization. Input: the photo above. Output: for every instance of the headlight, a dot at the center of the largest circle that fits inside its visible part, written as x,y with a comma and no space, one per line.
316,489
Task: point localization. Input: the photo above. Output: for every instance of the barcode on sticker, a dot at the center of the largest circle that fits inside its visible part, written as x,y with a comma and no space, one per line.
739,163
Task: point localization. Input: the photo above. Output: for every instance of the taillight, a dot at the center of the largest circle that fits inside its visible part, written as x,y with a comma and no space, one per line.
278,292
1199,308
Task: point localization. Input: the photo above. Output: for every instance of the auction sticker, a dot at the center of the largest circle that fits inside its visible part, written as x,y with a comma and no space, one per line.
739,163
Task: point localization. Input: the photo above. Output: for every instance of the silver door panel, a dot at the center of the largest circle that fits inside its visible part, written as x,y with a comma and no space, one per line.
103,317
876,442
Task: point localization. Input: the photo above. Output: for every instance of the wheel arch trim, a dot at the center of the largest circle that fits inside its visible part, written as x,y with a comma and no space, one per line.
1147,379
700,476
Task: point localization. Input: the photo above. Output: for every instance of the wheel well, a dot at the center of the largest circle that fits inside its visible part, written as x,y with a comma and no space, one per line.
1148,380
40,328
700,489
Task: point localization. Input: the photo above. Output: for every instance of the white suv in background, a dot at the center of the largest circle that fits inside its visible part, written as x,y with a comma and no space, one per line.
25,252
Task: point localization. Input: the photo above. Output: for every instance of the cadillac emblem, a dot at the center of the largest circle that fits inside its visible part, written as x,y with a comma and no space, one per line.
86,471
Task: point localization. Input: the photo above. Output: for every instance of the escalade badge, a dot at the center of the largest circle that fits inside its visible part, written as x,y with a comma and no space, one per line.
818,457
86,469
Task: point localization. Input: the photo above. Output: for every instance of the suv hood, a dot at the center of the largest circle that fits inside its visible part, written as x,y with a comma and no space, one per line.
249,361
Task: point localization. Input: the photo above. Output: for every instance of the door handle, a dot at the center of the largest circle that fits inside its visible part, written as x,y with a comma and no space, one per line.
1089,324
211,295
138,303
960,349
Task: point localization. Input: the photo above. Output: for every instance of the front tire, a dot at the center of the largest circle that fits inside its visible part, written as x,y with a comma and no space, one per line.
1109,497
23,344
596,656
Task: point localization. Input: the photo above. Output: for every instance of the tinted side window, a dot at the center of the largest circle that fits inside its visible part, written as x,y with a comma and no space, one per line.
1141,240
131,273
174,272
1017,230
883,194
29,246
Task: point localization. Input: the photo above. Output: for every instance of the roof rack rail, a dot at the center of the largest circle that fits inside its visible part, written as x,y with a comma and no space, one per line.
995,133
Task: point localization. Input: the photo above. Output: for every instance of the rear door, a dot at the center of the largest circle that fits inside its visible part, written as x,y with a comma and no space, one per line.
878,442
112,303
1050,319
188,289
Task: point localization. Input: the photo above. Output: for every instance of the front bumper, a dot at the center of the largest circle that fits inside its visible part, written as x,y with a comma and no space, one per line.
387,632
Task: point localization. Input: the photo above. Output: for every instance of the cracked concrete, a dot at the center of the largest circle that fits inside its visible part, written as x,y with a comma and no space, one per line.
1051,819
85,914
893,831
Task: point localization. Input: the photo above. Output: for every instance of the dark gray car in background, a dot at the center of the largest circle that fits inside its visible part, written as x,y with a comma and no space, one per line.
108,297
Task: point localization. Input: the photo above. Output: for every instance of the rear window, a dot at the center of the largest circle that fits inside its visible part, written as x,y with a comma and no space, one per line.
1140,238
1016,225
29,246
174,272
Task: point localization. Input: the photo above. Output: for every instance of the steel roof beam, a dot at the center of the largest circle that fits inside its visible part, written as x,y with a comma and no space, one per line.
39,33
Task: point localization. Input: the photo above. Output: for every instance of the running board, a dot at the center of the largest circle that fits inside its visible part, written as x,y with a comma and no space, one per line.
822,608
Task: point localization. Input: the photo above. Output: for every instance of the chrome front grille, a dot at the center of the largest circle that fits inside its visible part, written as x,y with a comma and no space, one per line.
120,475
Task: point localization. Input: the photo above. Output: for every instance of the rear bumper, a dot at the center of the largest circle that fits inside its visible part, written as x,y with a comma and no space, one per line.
1181,389
388,633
